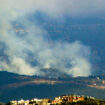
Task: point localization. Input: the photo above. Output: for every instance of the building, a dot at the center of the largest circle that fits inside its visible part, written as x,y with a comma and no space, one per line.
20,102
46,102
23,102
68,98
13,102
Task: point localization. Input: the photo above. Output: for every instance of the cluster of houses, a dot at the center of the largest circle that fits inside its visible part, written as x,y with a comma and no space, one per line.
32,102
68,98
57,100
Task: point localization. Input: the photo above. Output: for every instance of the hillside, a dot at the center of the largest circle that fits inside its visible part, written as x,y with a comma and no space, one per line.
87,102
13,86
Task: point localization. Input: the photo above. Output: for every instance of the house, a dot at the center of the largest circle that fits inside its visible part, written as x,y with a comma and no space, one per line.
46,102
13,102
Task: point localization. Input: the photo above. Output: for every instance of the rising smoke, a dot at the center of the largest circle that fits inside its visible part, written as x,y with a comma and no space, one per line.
21,51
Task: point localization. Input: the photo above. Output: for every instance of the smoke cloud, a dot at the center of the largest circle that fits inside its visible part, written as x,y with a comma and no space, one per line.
30,52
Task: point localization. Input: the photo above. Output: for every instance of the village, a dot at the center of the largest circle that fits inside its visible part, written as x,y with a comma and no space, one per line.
57,101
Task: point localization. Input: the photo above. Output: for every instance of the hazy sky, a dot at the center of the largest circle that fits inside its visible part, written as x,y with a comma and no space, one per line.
21,51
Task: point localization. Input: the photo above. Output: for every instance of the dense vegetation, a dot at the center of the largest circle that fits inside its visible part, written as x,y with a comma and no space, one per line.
86,102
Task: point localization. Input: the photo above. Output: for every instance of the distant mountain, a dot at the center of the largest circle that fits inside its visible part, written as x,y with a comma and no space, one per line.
14,86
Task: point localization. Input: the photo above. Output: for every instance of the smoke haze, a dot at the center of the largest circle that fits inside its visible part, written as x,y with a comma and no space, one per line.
30,52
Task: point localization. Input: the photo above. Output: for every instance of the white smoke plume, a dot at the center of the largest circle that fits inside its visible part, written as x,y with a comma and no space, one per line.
69,58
